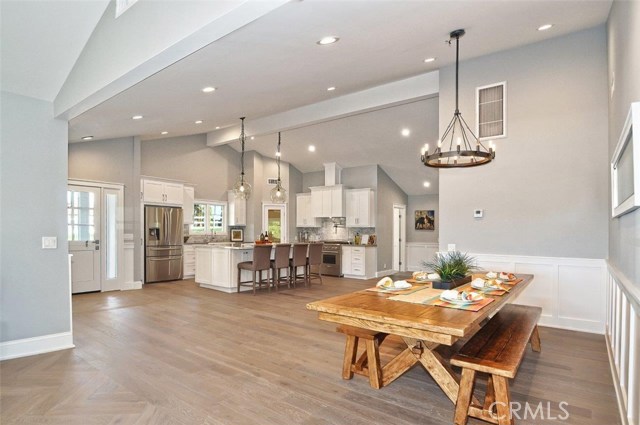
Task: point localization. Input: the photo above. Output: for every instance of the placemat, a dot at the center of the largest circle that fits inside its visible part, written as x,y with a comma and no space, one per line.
420,282
469,307
469,288
397,291
422,296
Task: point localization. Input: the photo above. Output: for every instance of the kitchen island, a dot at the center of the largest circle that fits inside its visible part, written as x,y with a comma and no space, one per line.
217,265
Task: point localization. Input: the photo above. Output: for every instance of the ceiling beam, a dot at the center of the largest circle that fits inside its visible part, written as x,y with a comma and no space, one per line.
398,92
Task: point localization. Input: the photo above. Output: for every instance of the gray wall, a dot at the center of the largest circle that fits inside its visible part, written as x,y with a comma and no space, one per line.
295,186
388,193
624,63
546,193
365,176
188,158
423,202
109,161
34,292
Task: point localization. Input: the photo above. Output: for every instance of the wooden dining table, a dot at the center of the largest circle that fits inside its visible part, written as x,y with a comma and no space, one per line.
422,327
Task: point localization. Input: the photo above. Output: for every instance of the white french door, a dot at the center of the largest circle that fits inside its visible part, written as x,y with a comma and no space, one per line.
399,236
274,221
83,234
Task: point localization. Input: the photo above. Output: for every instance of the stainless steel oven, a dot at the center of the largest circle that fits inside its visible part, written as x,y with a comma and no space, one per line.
331,259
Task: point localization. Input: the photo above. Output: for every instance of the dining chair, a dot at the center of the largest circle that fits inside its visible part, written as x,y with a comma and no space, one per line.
261,262
280,261
313,262
299,260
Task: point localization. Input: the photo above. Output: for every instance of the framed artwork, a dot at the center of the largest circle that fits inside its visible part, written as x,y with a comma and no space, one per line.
625,166
425,220
237,235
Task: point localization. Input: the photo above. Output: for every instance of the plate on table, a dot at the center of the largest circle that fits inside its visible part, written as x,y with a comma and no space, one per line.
507,277
473,298
389,285
487,285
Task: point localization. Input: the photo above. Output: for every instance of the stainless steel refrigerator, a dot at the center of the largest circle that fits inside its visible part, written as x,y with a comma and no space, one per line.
163,244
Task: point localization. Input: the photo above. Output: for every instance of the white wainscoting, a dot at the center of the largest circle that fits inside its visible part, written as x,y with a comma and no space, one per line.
129,282
417,253
571,291
623,343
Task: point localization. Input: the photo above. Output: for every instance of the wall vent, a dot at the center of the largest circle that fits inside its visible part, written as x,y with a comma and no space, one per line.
272,181
491,111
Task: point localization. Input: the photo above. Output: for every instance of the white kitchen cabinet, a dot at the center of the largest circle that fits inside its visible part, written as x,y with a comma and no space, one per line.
188,261
304,211
359,261
360,208
187,207
204,265
162,193
237,210
328,201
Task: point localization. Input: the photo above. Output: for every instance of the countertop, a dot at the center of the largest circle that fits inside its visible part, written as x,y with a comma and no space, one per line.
224,245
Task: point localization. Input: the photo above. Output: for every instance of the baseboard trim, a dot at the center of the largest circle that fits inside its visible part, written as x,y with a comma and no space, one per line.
36,345
383,273
616,382
127,286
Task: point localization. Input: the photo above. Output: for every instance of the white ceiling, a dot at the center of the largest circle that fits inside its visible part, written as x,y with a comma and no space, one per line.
41,41
274,65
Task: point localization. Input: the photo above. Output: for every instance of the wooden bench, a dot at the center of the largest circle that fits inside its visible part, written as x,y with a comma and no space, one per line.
368,364
496,349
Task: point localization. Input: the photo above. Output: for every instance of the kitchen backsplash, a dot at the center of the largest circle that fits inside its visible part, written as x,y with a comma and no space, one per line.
333,229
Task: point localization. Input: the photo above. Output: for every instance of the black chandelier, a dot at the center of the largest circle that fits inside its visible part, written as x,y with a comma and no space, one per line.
464,148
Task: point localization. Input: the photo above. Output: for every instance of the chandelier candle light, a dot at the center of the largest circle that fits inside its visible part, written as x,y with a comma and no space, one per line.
464,148
278,193
242,189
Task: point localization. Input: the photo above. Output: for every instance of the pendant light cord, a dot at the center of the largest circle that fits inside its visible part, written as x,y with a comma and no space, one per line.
242,138
278,158
457,59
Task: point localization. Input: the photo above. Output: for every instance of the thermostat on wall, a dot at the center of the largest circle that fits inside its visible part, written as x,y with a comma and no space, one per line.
478,213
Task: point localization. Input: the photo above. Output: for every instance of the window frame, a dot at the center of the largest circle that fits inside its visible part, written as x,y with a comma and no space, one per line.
207,217
504,111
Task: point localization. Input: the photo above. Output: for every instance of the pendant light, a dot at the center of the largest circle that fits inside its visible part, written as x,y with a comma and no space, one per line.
278,193
242,188
462,148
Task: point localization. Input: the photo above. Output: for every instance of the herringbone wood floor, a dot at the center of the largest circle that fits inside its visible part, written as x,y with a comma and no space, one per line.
174,353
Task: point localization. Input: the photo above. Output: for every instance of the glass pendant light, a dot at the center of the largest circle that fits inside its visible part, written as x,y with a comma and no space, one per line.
278,193
242,188
461,147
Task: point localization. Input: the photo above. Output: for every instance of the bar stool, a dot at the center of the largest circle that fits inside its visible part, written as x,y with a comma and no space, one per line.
313,262
280,261
299,260
261,262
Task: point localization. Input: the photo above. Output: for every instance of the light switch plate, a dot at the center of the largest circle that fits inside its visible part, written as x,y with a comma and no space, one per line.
451,247
49,242
478,213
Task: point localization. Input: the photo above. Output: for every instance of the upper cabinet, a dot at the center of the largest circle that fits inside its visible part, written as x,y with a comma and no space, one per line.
237,210
304,211
328,201
187,208
162,193
361,211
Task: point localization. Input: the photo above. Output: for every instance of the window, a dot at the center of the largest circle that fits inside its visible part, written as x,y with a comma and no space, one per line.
208,218
80,215
491,111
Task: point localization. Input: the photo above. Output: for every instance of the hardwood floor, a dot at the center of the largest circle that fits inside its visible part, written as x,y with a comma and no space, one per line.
174,353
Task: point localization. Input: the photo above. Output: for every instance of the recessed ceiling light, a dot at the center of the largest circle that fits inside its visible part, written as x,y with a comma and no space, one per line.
545,27
426,184
327,40
405,132
208,89
136,117
331,88
87,138
252,138
199,122
427,60
164,132
278,154
312,148
217,127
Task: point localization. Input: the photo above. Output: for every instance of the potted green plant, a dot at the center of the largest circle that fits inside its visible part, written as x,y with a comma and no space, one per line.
453,267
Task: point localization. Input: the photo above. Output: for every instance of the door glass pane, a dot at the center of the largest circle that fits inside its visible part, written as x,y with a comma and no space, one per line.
80,216
274,223
111,238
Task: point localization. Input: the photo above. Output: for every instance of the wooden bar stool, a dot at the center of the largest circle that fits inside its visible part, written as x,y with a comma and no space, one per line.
313,262
299,260
280,261
261,262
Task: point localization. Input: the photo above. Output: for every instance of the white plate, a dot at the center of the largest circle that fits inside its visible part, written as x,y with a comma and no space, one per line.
400,284
485,288
461,302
